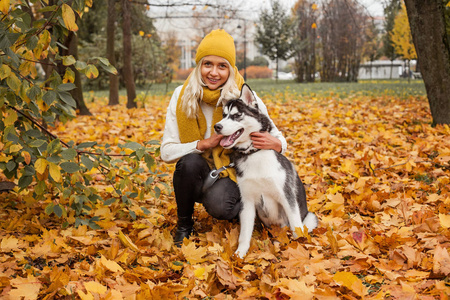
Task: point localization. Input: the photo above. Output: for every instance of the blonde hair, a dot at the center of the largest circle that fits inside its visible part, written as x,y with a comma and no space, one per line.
193,92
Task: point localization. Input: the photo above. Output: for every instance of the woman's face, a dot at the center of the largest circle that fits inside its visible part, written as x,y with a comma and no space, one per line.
214,71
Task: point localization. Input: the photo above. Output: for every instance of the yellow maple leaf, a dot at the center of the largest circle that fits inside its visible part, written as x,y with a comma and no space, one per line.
332,240
111,265
25,288
9,243
199,272
95,287
296,289
193,254
350,281
444,220
336,204
84,296
127,242
441,261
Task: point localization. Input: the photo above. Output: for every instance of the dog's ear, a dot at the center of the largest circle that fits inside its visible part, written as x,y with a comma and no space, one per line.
247,96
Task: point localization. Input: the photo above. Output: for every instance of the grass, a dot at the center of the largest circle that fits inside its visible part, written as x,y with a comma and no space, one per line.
396,88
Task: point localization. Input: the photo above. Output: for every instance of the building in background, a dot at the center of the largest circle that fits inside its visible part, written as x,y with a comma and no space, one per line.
187,47
386,69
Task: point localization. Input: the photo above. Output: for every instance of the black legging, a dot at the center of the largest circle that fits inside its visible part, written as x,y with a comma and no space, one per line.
222,200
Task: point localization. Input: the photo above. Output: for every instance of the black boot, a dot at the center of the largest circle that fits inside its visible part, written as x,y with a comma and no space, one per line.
184,230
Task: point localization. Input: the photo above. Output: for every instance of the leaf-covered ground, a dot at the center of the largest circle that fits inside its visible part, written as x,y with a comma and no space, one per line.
376,173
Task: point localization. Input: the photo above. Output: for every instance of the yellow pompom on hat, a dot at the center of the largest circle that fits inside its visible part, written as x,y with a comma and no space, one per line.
218,42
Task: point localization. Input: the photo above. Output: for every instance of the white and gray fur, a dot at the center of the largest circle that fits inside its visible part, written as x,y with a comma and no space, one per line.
268,181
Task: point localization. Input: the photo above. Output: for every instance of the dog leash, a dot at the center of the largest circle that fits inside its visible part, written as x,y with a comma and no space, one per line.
214,175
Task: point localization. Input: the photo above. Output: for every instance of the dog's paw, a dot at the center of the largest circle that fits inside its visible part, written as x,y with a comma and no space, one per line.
241,253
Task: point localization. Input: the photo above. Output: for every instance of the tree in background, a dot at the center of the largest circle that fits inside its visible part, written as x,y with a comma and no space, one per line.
110,52
390,12
172,52
342,37
275,34
203,22
94,41
429,21
258,61
371,48
93,22
305,15
128,75
401,38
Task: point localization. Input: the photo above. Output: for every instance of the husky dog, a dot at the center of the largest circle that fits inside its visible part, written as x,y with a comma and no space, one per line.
267,180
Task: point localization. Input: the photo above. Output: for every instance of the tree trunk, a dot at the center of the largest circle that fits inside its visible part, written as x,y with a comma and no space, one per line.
312,73
427,21
276,72
77,93
110,34
127,65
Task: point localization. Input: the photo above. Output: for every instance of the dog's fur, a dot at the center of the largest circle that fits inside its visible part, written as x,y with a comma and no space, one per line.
267,180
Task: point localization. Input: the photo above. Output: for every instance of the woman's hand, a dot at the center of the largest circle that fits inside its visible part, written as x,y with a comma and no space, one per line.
210,142
264,140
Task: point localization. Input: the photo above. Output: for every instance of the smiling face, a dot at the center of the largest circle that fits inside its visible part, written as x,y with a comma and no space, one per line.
214,71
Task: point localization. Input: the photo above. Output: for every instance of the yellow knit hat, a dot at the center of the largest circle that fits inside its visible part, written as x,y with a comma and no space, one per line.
218,42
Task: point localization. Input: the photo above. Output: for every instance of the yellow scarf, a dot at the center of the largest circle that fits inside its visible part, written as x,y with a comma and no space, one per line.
193,129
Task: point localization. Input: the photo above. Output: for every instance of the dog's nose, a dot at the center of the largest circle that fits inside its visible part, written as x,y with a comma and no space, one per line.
218,127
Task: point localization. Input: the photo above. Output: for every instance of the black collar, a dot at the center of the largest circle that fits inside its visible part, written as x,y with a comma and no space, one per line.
249,150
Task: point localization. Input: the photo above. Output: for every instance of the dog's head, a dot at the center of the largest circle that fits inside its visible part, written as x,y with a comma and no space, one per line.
241,117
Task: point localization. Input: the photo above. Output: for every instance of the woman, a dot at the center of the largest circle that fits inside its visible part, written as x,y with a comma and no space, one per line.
189,138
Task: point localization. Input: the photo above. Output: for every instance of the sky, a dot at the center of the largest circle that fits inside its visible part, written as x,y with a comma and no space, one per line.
374,7
250,10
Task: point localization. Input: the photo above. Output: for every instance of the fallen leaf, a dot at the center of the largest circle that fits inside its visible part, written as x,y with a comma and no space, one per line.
95,287
441,261
111,265
350,281
25,288
444,220
193,254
